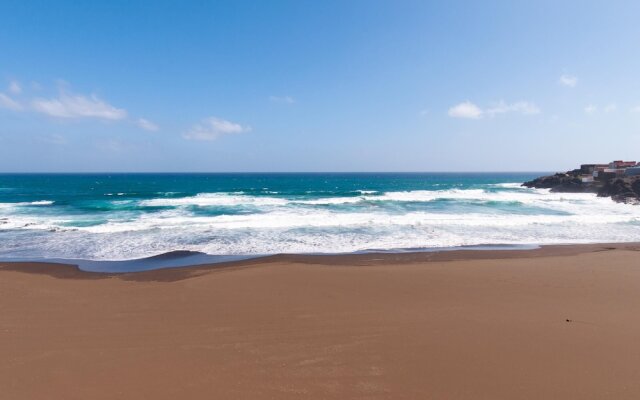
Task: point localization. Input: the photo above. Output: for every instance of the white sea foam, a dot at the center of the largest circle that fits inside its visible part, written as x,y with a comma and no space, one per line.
278,224
330,200
215,199
233,236
506,185
27,203
41,203
237,198
319,219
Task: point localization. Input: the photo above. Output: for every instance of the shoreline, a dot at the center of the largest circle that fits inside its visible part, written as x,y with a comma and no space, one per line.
71,270
187,258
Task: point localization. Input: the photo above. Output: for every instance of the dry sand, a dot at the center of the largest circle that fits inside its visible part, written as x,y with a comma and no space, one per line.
460,325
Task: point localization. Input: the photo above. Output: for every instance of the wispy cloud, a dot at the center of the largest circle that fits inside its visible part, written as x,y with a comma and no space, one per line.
78,106
282,99
9,103
522,107
66,105
465,109
14,87
212,128
609,108
635,109
147,125
470,110
568,80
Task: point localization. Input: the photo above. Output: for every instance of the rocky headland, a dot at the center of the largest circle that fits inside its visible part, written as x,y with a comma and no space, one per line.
621,189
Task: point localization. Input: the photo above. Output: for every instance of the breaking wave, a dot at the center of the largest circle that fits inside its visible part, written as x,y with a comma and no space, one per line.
119,225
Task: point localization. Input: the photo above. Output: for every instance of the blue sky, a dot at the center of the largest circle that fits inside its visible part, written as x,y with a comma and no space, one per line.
317,85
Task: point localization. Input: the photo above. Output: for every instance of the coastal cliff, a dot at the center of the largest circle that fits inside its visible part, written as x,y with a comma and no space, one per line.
621,189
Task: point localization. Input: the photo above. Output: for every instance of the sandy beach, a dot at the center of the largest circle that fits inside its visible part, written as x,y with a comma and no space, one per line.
560,322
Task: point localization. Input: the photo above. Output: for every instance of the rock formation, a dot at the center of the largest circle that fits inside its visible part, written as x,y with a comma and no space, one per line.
625,189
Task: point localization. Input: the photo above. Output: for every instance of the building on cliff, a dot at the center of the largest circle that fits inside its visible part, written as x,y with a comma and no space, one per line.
632,171
619,164
603,172
586,169
586,178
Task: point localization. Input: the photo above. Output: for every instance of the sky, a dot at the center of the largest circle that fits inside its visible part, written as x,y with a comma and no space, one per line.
301,86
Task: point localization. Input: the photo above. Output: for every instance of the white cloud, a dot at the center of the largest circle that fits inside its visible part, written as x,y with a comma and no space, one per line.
147,125
68,105
610,108
212,128
15,88
469,110
590,109
9,103
522,107
465,110
78,106
282,99
635,109
568,80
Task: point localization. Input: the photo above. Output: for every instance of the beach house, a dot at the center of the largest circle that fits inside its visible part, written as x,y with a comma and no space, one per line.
632,171
615,169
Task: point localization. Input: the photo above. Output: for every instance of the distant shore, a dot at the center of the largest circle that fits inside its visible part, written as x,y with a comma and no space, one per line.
554,322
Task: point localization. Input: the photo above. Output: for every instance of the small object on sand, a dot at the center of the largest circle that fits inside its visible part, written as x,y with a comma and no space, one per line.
568,320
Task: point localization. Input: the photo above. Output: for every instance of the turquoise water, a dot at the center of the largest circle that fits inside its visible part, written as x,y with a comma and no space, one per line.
129,216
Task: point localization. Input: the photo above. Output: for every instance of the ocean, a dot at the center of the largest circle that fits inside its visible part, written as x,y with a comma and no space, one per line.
98,217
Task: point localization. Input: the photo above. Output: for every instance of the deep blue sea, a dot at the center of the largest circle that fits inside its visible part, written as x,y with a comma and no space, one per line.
131,216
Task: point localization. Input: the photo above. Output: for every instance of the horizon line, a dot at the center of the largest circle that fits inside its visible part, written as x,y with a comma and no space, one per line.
272,172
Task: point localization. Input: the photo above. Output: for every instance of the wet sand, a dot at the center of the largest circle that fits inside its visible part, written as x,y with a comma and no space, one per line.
561,322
